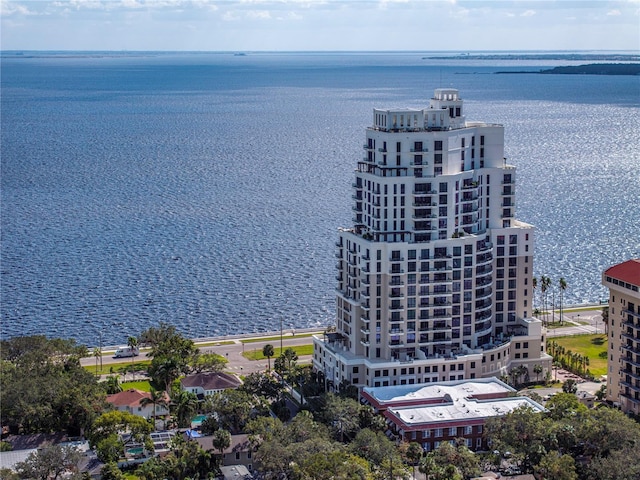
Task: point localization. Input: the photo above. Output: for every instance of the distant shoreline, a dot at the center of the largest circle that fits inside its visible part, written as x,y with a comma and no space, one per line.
591,57
590,69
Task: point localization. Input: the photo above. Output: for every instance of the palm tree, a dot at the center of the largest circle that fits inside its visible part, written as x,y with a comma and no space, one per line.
166,372
132,343
534,284
563,287
537,369
158,397
268,352
221,440
185,404
545,284
97,352
113,385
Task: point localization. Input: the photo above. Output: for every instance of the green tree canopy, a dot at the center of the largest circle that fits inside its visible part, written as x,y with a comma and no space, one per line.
50,463
43,388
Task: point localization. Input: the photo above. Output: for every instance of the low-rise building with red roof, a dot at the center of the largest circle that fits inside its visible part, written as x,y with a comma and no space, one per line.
133,401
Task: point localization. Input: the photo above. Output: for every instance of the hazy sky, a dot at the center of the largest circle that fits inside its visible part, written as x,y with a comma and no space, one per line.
232,25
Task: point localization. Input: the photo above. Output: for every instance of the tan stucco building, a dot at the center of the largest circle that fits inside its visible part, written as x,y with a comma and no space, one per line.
623,379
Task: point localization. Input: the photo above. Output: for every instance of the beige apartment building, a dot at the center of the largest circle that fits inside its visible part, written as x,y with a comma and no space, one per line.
434,277
623,379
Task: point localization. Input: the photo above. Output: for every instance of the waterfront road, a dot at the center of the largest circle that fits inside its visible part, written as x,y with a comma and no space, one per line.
579,321
232,348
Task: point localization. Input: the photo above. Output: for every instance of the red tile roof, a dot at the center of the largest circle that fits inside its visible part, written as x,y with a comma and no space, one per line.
128,398
628,272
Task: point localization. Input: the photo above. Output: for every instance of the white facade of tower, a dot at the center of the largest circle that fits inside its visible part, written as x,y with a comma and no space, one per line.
434,277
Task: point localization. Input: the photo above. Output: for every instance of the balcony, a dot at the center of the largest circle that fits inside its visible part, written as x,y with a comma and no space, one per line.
631,336
420,227
365,342
635,362
626,311
484,293
365,330
469,196
483,259
396,343
366,320
419,150
396,307
396,331
439,326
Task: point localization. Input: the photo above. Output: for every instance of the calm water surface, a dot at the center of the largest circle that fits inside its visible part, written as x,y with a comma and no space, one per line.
205,190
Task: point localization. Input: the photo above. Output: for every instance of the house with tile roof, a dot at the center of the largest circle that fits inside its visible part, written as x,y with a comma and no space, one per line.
208,383
132,401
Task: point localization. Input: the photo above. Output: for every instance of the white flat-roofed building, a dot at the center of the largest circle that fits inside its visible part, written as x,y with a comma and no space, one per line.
623,376
434,278
445,412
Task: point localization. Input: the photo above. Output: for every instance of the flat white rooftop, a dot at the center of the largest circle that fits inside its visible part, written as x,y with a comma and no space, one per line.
461,409
458,389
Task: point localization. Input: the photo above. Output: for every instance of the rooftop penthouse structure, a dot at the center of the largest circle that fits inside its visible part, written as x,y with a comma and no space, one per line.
434,277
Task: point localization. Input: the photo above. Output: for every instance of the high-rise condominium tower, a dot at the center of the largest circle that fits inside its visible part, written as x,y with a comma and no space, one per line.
623,375
434,278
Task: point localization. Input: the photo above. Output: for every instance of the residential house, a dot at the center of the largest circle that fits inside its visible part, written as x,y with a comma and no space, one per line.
132,401
240,452
208,383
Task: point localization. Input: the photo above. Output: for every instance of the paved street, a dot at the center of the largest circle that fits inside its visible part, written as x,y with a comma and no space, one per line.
592,320
233,351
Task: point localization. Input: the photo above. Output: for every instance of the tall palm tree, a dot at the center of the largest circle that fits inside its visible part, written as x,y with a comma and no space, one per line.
545,283
97,352
534,284
268,352
132,343
563,287
166,372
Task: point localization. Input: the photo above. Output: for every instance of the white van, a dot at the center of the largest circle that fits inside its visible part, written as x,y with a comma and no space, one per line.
123,352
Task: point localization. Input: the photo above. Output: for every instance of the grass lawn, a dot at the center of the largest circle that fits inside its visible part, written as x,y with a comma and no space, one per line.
591,346
144,385
277,338
120,367
256,354
215,344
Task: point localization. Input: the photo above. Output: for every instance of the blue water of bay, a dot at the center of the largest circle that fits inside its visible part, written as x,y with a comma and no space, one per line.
205,190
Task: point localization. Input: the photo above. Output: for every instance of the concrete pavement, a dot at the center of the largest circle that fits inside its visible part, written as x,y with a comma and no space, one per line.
232,348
